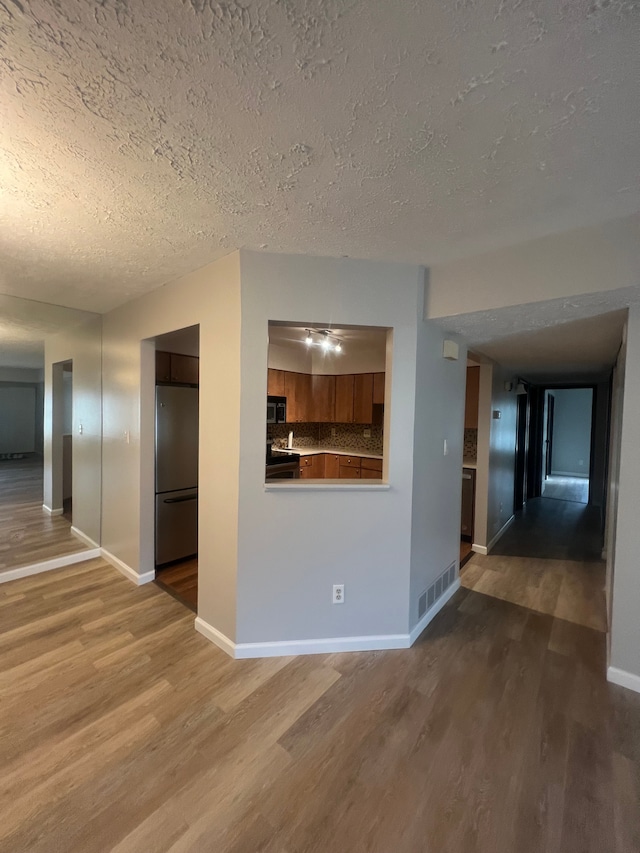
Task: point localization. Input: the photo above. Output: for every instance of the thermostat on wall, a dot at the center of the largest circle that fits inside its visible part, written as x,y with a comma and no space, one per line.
497,414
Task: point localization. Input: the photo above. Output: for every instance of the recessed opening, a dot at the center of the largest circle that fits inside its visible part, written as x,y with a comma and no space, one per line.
328,395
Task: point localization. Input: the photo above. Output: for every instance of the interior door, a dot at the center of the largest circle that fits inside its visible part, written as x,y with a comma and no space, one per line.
549,436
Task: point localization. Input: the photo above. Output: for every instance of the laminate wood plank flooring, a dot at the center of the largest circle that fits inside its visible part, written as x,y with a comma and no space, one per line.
27,534
181,581
123,730
547,561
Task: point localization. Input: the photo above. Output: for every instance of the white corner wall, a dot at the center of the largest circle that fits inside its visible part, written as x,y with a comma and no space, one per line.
437,479
294,546
209,297
624,662
83,345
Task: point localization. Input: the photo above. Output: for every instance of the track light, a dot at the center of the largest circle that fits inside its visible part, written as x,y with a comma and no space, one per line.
324,339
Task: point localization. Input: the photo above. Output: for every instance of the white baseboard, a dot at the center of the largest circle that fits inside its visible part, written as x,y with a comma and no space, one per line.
479,549
623,678
433,611
500,533
50,511
48,565
83,538
126,570
569,474
329,645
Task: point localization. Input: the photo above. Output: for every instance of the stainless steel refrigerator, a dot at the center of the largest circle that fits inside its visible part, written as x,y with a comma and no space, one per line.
176,473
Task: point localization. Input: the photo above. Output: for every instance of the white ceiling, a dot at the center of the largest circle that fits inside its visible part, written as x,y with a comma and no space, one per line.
140,140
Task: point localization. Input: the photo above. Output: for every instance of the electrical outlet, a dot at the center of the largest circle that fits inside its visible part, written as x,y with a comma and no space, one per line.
338,593
366,433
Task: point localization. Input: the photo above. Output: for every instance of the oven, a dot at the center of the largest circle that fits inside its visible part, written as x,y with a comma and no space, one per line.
286,470
276,410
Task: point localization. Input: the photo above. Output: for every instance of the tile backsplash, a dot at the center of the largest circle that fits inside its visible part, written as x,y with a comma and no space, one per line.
347,436
470,444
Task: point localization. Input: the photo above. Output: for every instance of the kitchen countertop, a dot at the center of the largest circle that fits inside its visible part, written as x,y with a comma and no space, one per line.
338,451
467,462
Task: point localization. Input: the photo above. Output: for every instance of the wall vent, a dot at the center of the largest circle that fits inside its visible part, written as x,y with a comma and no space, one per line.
422,605
436,590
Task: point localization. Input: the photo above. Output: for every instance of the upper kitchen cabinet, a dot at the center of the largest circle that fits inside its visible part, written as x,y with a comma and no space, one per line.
175,368
472,397
297,390
363,398
323,398
275,383
378,389
344,398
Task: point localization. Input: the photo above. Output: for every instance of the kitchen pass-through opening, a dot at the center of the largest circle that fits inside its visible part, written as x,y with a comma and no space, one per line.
327,406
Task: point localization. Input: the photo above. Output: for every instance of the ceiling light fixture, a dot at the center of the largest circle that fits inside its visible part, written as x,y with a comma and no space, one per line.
324,339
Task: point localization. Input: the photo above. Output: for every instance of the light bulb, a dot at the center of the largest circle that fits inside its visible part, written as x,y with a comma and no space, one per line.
308,340
326,344
338,347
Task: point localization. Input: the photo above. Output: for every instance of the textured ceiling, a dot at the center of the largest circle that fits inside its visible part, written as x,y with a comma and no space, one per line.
25,324
140,140
558,338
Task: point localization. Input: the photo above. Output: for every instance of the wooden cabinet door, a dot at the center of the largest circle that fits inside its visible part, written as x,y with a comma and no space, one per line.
275,383
331,466
350,462
363,398
347,473
317,466
371,464
323,399
184,369
344,398
297,387
378,388
471,398
163,366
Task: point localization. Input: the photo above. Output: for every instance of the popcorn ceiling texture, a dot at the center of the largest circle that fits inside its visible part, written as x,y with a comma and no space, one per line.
141,140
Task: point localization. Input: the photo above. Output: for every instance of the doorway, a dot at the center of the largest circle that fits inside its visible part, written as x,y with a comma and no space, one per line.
568,438
176,421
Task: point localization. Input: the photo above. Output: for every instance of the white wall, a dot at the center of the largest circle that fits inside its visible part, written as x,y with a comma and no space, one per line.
209,297
571,449
437,479
588,260
496,455
625,628
293,546
296,359
83,345
17,418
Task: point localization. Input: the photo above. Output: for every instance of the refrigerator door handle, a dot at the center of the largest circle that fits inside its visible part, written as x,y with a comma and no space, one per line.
180,499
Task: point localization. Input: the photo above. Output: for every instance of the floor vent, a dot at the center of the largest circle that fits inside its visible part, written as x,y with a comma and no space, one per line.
436,590
422,605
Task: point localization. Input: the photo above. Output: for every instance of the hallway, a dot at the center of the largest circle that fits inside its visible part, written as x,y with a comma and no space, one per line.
548,561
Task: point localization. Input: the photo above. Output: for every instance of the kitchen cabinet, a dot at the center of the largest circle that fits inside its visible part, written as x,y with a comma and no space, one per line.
331,466
471,398
275,383
349,467
175,368
370,469
297,390
323,399
378,389
363,398
344,399
468,502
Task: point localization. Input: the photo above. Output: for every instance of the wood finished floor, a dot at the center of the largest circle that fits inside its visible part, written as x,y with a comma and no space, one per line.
123,730
181,581
28,534
566,488
548,561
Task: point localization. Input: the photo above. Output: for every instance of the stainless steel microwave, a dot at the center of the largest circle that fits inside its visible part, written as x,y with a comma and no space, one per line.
276,410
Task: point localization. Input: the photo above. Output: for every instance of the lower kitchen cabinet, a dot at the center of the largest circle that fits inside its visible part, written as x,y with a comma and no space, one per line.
331,466
334,466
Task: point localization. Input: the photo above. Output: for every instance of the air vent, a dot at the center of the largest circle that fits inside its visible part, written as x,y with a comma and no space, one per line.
422,605
435,591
